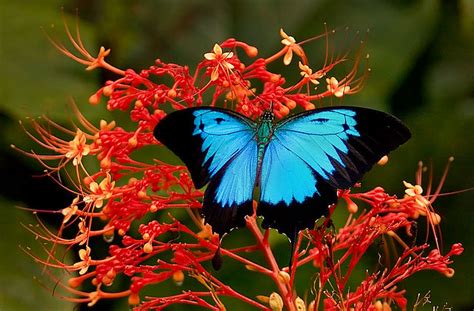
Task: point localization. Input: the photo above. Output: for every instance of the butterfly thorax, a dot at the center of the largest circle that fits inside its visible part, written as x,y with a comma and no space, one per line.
264,133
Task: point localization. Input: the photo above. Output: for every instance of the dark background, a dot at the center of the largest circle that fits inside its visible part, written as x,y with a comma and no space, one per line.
422,71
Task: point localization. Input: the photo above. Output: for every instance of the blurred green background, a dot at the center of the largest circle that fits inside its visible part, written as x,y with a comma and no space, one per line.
422,61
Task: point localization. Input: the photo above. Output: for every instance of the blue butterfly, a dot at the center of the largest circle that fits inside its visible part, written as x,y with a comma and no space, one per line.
294,166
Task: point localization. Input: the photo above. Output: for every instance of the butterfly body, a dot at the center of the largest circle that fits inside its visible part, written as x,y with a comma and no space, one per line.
263,136
298,163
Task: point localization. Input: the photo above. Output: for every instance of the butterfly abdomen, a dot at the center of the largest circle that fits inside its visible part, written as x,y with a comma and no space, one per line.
263,136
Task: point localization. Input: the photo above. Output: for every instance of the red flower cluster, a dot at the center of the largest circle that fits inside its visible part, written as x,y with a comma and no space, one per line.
115,192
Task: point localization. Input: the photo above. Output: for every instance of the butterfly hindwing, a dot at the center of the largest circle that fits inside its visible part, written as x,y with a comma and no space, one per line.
219,148
313,154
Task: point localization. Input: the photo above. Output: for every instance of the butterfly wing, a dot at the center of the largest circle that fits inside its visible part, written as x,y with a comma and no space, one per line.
218,146
315,153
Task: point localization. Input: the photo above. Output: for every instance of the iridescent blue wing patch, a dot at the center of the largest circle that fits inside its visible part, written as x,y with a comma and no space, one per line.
219,148
313,154
228,198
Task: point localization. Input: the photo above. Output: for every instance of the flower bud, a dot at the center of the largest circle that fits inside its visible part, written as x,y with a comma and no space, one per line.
435,218
352,207
94,99
178,277
133,299
148,247
251,51
309,106
108,90
75,282
379,306
138,104
276,302
106,163
111,273
291,104
300,305
284,277
142,194
284,110
133,142
449,273
172,93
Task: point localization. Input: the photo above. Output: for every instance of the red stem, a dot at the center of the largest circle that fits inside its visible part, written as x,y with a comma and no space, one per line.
267,251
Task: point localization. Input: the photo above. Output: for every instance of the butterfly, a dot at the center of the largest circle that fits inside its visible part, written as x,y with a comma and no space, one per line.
293,167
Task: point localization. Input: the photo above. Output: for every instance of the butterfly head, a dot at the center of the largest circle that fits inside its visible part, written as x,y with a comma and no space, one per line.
267,116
